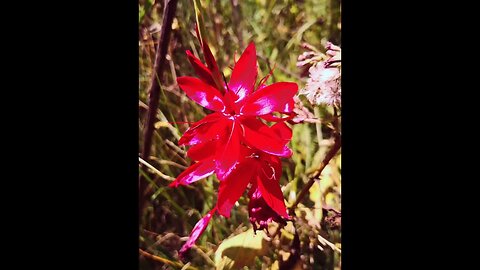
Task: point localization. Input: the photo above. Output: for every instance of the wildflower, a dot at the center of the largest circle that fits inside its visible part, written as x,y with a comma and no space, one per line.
236,110
259,169
324,82
233,142
302,114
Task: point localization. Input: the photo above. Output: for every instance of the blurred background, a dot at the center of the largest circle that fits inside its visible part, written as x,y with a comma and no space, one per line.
278,28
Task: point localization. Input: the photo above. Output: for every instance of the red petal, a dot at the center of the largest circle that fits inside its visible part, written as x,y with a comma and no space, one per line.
262,137
194,173
270,99
244,73
268,183
232,188
228,152
202,151
202,93
209,128
202,71
212,66
289,106
283,131
197,231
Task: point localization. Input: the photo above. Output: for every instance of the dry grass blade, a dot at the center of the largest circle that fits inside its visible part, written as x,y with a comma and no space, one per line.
159,173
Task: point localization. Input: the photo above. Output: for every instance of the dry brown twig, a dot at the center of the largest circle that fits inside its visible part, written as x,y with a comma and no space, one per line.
154,91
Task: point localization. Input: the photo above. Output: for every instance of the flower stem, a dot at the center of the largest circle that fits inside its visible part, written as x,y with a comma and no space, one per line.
318,126
331,153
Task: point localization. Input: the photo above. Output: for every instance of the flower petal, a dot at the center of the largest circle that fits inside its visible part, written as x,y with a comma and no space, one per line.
212,66
274,97
232,188
202,93
210,127
228,152
194,173
283,131
260,214
268,183
289,106
197,231
262,137
202,71
244,73
202,151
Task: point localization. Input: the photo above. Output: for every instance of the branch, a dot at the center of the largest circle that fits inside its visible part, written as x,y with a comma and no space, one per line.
283,69
236,18
324,242
154,91
162,260
331,153
162,175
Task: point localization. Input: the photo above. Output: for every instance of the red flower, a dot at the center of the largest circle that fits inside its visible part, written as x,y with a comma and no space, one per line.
263,171
234,121
232,142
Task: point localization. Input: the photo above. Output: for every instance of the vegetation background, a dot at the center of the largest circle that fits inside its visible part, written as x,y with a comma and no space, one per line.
278,29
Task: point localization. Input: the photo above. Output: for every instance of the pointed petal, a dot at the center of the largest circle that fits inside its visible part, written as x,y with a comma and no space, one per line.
270,99
244,73
228,152
211,127
232,188
202,93
202,71
202,151
262,137
268,183
197,231
212,66
194,173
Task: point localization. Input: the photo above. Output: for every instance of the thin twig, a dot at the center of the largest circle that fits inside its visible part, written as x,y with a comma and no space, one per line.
283,69
167,162
154,91
324,241
204,255
331,209
175,147
318,126
162,175
162,260
331,153
236,18
163,119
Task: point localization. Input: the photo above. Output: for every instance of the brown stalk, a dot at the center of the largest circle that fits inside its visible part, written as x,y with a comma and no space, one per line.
154,91
331,153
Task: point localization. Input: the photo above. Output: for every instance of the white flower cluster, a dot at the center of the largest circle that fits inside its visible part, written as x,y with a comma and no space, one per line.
324,82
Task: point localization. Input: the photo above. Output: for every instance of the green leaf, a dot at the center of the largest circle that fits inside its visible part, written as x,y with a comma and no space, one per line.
240,250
